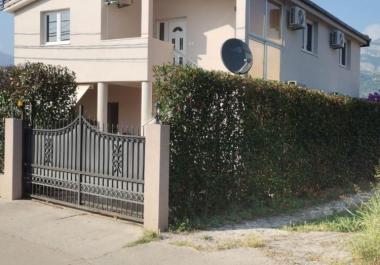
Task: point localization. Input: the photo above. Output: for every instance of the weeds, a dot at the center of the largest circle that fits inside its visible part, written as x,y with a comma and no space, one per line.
147,237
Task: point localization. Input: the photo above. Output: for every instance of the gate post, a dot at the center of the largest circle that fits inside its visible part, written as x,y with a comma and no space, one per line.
11,181
156,185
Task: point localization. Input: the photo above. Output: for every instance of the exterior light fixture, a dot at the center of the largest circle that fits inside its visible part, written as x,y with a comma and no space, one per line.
157,107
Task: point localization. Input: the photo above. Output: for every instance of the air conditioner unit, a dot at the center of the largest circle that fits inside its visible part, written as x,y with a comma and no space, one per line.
292,83
124,3
337,39
119,3
296,18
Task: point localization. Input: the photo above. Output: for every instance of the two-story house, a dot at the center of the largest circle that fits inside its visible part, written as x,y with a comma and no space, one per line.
112,45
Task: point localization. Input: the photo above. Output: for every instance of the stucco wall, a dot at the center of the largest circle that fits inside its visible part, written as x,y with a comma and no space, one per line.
209,24
322,70
84,14
288,62
121,22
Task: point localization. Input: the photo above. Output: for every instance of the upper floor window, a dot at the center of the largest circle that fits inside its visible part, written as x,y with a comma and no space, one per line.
57,27
266,20
344,55
310,37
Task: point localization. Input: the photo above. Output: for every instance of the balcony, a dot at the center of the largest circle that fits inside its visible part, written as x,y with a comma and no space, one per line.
115,60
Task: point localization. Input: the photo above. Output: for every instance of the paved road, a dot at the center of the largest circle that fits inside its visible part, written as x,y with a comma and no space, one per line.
33,233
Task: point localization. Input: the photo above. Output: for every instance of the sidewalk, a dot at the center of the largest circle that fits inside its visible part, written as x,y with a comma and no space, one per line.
34,233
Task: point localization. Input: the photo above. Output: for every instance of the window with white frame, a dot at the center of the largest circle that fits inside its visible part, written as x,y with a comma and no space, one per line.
57,27
266,20
309,37
344,55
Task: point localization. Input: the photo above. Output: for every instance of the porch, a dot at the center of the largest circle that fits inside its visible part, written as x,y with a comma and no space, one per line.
118,107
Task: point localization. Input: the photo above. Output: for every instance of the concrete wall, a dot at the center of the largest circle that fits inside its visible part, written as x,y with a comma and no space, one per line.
121,22
128,97
209,24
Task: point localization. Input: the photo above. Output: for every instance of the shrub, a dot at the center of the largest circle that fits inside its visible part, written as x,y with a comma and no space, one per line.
48,91
236,140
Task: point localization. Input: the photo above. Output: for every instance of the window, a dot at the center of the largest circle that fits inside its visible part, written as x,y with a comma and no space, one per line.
266,20
274,21
57,27
343,56
309,37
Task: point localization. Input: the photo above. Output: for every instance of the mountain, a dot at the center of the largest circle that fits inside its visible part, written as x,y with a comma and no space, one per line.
370,69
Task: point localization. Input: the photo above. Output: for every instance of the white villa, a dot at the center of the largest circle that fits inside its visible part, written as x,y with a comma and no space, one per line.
112,45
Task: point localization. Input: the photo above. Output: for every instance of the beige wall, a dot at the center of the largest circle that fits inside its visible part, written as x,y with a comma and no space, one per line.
128,97
209,24
90,57
322,70
288,62
121,22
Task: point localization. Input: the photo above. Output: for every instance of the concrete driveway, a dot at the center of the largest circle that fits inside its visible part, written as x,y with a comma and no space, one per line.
34,233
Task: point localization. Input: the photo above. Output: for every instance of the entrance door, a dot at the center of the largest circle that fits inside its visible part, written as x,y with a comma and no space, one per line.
174,31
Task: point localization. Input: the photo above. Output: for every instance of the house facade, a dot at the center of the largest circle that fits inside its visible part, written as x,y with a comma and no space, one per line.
112,45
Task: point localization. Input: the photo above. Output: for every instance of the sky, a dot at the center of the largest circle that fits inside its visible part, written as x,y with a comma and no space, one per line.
6,39
361,14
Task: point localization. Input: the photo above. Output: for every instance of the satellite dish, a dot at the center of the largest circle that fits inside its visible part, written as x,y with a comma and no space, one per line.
236,56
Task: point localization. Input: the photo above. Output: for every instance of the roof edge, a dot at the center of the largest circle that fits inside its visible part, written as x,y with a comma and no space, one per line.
366,39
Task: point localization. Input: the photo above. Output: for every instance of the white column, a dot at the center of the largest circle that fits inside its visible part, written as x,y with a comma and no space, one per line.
241,19
146,18
102,106
146,102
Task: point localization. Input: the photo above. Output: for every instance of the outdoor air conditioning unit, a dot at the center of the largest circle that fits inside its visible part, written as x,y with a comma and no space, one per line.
124,3
119,3
292,83
296,18
337,39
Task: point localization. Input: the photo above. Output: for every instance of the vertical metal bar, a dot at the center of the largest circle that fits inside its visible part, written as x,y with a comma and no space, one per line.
80,152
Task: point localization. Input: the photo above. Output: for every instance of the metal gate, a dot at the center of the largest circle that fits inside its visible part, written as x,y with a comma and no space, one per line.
83,167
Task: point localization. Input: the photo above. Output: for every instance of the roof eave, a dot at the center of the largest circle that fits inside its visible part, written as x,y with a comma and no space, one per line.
366,40
15,5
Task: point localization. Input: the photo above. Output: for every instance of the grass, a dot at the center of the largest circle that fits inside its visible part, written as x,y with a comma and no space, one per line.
363,222
365,245
238,213
340,222
248,241
146,238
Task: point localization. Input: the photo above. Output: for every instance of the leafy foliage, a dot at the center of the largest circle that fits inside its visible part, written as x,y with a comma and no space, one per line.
48,91
237,140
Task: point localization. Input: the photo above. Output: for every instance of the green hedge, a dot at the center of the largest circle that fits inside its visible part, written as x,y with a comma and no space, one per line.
239,140
48,90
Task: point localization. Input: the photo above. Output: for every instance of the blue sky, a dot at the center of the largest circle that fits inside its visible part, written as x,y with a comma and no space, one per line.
361,14
6,38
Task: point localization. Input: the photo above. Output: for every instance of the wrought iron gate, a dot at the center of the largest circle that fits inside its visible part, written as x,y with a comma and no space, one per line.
83,167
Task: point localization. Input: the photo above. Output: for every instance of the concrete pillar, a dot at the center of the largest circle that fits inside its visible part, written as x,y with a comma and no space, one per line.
146,102
102,106
156,189
241,19
146,18
11,181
